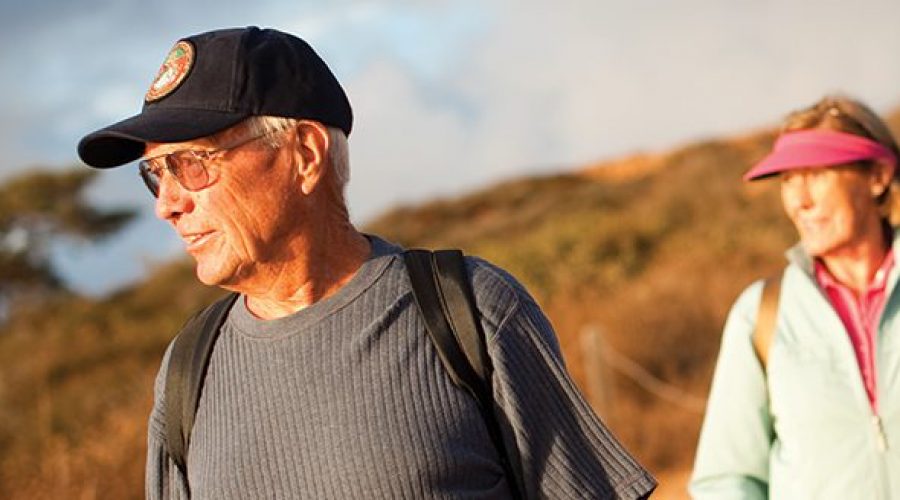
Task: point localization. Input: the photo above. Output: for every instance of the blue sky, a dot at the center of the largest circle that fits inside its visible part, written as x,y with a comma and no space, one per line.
447,95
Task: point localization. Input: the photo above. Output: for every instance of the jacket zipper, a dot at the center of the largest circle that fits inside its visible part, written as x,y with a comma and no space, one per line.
881,478
881,441
880,436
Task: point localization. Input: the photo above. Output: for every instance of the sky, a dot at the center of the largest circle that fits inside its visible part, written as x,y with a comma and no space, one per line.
448,96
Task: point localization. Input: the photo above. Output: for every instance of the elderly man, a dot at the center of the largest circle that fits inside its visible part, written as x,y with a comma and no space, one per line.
323,382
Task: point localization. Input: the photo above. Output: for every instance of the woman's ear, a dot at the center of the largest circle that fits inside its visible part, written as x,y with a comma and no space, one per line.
881,174
311,153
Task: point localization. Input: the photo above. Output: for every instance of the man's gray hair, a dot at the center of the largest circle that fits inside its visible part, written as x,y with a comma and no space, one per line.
338,149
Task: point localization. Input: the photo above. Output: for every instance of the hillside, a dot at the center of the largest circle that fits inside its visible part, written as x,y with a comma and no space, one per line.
635,261
649,252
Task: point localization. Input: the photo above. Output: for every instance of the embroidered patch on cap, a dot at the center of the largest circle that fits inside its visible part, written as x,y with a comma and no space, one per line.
172,72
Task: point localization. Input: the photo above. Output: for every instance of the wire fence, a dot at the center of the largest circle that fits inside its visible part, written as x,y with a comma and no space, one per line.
600,355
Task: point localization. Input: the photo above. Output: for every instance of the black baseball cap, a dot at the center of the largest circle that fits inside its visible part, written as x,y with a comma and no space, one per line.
214,80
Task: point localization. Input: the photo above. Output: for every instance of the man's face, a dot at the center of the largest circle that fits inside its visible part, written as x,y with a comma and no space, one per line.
238,226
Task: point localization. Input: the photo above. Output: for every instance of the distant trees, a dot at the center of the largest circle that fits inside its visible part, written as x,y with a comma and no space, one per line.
37,207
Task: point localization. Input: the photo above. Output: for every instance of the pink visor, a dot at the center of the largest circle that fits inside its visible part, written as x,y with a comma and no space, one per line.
817,148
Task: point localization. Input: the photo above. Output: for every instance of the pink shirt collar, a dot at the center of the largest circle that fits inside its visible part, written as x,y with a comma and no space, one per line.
879,281
861,315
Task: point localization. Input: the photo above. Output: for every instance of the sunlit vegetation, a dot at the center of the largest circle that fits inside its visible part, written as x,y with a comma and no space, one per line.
36,208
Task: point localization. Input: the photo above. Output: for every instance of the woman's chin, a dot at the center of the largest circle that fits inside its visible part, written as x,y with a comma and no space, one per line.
815,248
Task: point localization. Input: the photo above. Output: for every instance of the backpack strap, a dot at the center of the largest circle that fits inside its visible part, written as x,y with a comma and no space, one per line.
764,331
443,293
434,302
186,370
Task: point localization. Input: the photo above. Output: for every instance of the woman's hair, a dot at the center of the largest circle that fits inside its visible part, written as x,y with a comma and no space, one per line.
844,114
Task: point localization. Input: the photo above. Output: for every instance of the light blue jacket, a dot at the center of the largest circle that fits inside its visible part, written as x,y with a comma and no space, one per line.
807,430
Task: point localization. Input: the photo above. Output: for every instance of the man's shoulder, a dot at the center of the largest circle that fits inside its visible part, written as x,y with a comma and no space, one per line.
498,294
492,281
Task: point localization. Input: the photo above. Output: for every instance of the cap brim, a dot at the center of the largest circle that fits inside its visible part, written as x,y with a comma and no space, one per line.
817,148
794,158
766,168
125,141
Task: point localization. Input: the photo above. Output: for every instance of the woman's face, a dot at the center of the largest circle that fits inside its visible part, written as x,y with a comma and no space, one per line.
833,208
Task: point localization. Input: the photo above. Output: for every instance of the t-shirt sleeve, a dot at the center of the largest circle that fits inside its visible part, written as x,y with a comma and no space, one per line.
565,451
163,480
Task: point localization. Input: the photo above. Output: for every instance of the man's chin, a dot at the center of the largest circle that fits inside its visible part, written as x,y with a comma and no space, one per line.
221,275
211,277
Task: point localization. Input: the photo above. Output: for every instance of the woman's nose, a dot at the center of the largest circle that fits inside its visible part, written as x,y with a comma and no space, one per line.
795,190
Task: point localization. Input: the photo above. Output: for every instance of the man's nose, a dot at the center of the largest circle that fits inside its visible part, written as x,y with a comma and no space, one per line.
173,199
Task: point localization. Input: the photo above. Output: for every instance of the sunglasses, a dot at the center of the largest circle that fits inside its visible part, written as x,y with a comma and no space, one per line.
193,169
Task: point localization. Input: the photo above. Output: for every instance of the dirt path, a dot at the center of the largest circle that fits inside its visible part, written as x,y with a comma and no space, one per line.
672,485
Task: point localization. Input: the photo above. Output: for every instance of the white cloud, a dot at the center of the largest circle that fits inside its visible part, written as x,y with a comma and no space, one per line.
403,148
449,94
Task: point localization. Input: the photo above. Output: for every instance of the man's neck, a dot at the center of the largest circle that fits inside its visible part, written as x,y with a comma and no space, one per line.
319,265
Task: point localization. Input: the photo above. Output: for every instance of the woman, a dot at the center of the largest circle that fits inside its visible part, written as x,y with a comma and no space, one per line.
815,411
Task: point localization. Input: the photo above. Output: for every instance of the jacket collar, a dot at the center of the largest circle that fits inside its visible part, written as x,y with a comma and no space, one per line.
798,256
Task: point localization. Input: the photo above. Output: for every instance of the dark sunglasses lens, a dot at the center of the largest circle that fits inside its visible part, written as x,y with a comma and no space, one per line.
151,180
191,173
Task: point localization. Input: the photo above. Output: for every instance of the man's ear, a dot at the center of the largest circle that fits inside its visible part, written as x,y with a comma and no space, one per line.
311,153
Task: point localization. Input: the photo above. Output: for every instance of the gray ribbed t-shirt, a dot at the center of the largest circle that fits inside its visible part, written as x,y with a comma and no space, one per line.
348,399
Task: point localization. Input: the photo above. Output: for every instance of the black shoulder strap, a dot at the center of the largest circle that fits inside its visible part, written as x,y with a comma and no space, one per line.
444,296
185,373
465,367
